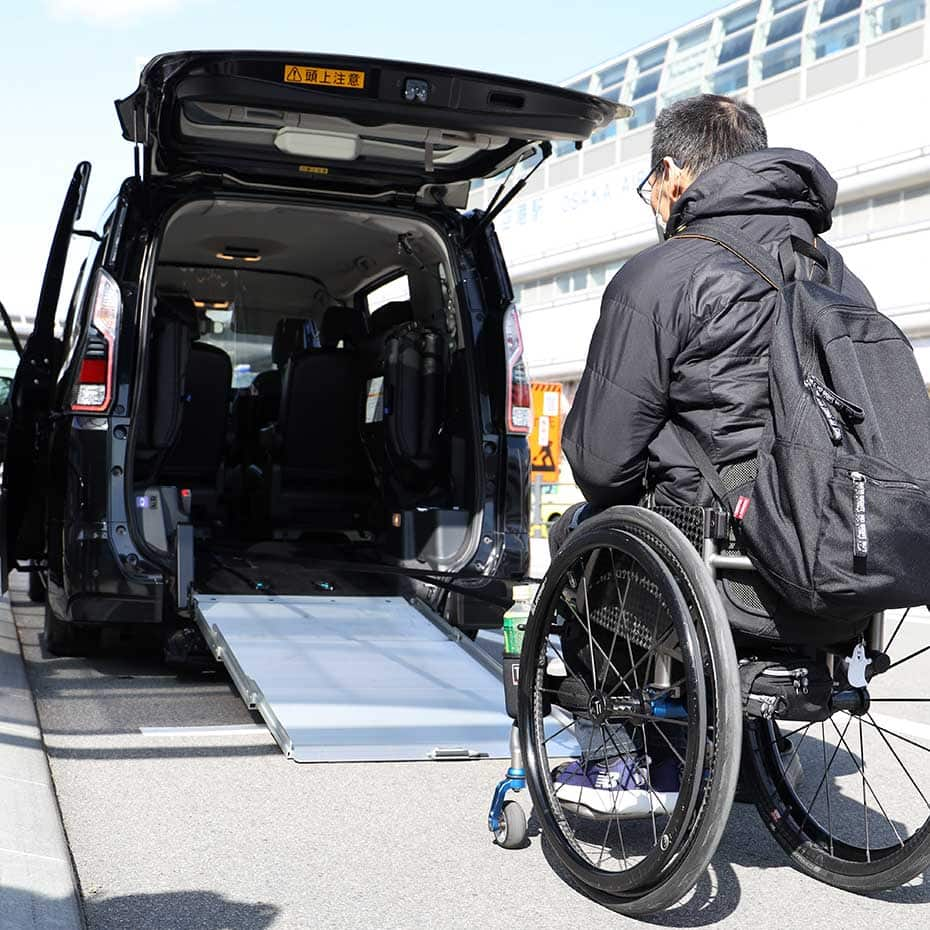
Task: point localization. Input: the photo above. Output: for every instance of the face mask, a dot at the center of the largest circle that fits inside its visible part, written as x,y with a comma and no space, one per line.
660,223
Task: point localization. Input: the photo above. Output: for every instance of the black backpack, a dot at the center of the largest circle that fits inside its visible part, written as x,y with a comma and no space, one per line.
837,518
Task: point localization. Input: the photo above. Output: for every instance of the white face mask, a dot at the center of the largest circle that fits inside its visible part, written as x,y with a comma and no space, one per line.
660,223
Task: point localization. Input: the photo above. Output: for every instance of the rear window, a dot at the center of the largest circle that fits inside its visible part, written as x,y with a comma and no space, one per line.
395,289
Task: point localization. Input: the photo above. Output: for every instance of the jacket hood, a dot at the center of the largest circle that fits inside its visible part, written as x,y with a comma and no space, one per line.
782,182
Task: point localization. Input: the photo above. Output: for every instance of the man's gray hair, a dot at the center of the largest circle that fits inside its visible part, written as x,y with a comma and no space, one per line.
700,132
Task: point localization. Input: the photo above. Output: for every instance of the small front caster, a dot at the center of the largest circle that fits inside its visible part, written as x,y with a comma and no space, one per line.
511,830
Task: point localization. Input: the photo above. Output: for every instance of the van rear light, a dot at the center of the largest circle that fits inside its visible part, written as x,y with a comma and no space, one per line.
519,403
94,388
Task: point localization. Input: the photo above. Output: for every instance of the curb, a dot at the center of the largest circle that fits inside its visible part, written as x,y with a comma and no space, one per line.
38,887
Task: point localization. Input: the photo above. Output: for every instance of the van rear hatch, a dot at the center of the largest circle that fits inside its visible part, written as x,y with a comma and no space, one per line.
344,122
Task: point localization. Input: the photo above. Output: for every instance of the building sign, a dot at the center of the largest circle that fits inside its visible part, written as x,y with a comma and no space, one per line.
546,435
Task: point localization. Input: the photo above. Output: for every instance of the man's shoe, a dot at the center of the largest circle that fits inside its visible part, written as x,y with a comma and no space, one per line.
617,788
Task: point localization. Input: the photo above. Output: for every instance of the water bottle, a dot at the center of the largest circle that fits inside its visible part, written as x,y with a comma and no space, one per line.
514,625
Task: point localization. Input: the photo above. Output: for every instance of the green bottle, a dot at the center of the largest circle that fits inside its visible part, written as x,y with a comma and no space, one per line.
515,619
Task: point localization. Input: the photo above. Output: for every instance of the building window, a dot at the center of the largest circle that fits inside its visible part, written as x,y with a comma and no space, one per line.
786,26
834,8
563,147
895,15
731,79
651,58
602,135
643,114
613,75
580,280
779,6
735,47
647,84
780,59
836,38
741,18
581,85
694,38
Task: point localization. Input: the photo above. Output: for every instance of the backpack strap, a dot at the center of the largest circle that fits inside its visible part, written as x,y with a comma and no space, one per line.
704,465
740,245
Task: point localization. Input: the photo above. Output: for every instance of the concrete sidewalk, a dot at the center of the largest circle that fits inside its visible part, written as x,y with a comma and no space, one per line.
38,890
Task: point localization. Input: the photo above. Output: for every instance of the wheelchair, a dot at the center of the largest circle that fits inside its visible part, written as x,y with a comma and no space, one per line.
629,653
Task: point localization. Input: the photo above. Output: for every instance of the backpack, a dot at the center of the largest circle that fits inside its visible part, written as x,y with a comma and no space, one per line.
837,517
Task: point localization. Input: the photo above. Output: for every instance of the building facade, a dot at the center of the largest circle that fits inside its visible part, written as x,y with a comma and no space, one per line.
848,80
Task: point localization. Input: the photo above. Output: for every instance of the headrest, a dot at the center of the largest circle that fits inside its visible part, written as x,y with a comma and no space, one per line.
390,315
176,307
292,335
346,324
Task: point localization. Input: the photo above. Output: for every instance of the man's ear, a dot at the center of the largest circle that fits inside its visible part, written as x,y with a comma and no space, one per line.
680,180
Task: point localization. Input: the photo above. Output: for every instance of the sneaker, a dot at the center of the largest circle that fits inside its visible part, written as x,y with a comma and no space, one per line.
617,788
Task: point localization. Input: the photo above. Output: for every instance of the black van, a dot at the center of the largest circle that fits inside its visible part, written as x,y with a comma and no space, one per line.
292,361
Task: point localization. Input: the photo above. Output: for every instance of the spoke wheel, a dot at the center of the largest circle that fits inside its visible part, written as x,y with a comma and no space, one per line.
628,656
859,817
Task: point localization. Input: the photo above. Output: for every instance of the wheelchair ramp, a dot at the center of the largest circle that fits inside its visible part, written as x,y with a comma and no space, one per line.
358,679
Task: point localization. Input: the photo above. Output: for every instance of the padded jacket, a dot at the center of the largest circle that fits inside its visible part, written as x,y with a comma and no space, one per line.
683,333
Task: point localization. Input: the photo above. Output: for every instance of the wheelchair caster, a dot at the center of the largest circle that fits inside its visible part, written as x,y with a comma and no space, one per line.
511,830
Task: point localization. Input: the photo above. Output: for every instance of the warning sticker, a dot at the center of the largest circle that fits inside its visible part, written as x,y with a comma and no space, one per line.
324,77
374,404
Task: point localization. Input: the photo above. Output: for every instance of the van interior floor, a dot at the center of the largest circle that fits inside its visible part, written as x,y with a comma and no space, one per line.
289,567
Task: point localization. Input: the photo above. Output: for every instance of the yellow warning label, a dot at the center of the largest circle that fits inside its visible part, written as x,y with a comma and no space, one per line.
313,169
326,77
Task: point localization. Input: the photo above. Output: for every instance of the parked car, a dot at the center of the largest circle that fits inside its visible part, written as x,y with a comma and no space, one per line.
230,403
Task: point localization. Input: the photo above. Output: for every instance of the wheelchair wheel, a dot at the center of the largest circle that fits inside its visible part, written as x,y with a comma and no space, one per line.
859,816
629,711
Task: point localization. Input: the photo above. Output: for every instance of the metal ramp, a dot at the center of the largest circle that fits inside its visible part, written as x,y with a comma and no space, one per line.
358,679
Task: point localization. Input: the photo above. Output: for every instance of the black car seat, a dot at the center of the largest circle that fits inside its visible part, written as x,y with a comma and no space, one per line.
291,335
320,478
195,458
158,417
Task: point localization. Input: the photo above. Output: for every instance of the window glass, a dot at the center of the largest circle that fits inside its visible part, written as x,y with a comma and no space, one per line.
896,15
739,19
563,283
837,37
780,59
693,38
731,79
580,280
915,205
543,290
396,289
652,57
691,91
682,68
581,85
834,8
598,276
779,6
886,211
855,218
602,135
647,84
644,113
613,74
563,147
735,47
788,25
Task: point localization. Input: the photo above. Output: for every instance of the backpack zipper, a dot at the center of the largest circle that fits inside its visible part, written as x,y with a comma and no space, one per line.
823,396
860,531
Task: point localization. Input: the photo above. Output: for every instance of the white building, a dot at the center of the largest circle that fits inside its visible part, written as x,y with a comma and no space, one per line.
848,80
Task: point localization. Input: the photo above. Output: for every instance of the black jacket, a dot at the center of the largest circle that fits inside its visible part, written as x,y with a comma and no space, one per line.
684,331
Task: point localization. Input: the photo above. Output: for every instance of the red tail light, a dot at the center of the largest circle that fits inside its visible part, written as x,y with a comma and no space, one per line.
519,403
94,388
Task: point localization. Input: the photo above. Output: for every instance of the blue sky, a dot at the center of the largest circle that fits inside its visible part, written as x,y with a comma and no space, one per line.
63,63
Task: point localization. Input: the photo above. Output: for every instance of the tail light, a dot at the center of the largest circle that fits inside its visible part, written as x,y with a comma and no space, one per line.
519,405
93,390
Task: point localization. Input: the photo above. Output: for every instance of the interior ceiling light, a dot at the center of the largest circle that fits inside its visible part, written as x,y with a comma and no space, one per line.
211,304
243,253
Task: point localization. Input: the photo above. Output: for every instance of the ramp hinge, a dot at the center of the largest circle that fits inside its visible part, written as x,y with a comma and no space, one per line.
455,754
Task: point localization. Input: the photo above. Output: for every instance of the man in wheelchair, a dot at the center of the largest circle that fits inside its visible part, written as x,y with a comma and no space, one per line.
657,655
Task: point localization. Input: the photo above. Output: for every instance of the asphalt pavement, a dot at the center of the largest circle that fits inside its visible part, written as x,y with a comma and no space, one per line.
211,827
